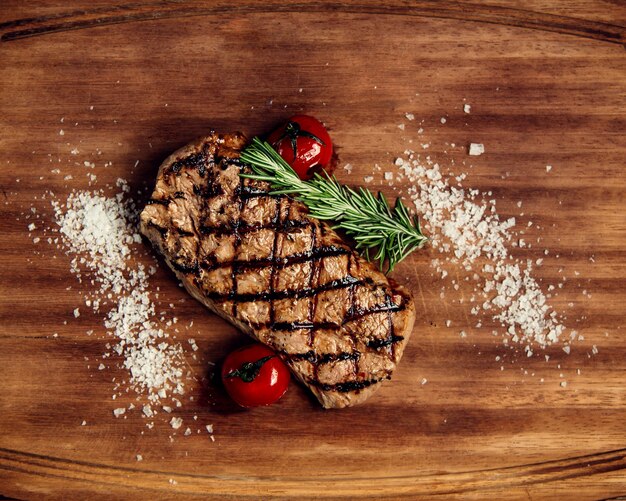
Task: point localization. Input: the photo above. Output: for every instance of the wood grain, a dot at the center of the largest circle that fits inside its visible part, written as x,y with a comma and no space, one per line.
465,11
547,85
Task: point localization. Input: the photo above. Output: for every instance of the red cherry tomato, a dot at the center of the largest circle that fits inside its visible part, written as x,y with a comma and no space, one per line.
304,143
254,375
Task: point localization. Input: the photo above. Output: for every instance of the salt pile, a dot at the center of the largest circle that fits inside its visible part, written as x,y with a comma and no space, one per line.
464,227
99,233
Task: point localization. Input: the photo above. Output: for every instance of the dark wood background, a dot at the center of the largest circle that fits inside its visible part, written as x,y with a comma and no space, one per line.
547,85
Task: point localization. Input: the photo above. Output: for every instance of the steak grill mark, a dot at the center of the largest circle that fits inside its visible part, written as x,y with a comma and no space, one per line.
283,225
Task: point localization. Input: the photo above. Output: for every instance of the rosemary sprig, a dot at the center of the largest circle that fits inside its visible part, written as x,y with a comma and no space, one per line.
368,219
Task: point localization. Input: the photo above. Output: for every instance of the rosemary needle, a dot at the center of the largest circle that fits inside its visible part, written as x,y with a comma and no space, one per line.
366,218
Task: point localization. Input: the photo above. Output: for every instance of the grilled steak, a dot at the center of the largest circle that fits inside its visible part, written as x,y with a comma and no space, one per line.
279,275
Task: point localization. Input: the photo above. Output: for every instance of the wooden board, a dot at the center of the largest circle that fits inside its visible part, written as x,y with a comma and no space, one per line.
547,86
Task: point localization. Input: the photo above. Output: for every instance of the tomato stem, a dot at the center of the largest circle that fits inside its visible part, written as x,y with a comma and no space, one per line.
293,131
248,371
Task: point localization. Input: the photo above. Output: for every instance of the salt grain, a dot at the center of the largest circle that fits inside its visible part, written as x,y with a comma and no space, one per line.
476,149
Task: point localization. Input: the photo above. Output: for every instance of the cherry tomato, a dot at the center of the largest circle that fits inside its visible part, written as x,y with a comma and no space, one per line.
254,375
304,143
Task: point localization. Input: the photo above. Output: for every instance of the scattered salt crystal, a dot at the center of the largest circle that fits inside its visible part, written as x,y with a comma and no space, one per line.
209,428
424,381
563,384
368,179
476,149
548,168
99,229
119,411
139,457
388,176
84,423
187,432
467,108
443,120
464,226
76,313
32,227
409,116
176,422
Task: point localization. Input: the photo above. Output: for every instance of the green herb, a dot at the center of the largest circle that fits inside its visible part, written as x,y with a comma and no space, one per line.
248,371
367,218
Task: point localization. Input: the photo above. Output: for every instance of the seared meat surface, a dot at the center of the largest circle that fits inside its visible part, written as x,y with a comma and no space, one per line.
284,278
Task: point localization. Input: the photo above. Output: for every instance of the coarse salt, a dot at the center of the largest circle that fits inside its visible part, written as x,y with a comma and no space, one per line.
476,149
464,227
98,233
